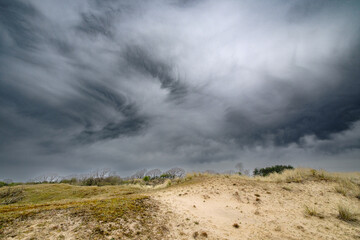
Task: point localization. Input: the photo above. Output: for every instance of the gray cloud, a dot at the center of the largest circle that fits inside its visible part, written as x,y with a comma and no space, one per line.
198,84
156,69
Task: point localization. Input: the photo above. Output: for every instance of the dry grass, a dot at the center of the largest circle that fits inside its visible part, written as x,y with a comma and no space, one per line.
298,175
11,195
347,188
346,213
311,211
123,204
340,189
357,195
301,174
45,193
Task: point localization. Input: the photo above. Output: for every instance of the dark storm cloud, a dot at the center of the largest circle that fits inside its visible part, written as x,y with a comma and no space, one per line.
17,18
199,84
130,125
330,111
94,25
157,69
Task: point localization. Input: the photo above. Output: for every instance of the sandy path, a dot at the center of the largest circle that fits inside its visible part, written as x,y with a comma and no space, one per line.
262,210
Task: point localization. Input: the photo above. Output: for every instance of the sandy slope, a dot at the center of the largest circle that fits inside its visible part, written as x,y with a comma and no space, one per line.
209,208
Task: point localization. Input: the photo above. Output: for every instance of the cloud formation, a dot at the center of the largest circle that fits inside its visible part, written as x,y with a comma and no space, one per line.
197,84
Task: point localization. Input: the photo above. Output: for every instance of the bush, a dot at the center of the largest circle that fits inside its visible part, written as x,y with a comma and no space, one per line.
165,175
146,178
266,171
111,180
71,181
5,184
94,181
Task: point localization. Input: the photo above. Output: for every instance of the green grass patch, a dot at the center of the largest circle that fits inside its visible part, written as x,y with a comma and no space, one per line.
45,193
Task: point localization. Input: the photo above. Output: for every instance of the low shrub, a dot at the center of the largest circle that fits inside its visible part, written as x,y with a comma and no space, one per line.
71,181
166,175
274,169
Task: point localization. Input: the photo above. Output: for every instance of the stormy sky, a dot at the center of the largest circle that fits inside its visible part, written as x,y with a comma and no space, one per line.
199,84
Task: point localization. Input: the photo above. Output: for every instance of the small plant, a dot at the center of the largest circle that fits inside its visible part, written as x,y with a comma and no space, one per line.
146,178
311,211
345,213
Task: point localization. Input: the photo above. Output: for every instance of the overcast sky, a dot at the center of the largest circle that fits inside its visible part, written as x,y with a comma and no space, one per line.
196,84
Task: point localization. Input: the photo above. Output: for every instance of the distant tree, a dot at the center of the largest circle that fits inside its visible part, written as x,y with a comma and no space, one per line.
154,173
174,172
266,171
71,181
83,177
239,167
102,173
47,178
139,174
52,178
8,181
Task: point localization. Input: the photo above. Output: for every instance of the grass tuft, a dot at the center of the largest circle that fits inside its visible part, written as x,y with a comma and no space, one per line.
342,190
298,175
347,188
311,211
346,214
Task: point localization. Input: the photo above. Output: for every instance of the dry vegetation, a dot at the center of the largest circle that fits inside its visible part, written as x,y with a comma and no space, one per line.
297,204
81,212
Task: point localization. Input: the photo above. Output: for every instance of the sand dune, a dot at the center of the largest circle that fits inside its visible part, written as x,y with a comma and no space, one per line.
238,208
298,204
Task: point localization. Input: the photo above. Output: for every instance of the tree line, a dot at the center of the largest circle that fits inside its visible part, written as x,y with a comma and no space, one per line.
105,176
